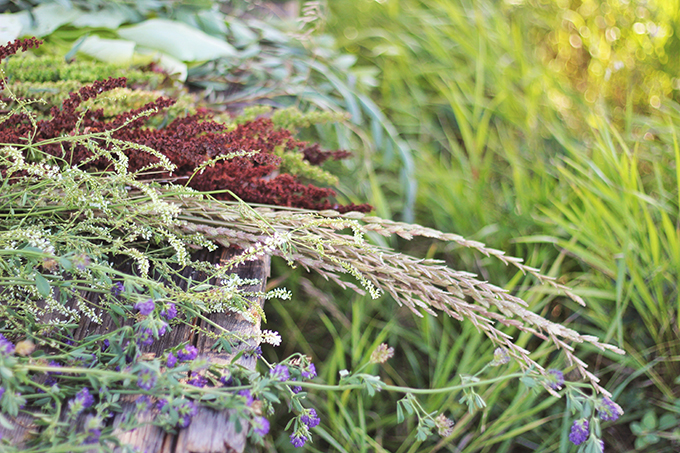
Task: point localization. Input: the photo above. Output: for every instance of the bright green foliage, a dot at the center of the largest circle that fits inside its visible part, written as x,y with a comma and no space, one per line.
115,102
52,68
532,140
294,119
52,78
624,53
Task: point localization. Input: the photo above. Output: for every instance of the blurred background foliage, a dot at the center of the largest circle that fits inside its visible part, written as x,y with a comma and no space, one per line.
548,129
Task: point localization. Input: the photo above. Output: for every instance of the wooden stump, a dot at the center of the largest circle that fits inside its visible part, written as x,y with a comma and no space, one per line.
210,431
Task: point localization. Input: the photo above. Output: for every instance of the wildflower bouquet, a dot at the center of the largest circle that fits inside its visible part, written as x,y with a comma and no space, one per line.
124,249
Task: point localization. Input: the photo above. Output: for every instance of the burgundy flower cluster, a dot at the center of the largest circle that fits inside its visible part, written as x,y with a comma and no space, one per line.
13,47
188,142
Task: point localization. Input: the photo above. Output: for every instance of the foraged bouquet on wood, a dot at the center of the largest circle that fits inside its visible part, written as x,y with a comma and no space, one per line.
115,208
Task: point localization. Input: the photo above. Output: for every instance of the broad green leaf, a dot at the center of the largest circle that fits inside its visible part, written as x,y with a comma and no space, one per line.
212,22
241,33
5,423
649,421
177,40
345,61
667,421
111,18
10,27
47,18
117,51
636,429
65,263
269,33
42,285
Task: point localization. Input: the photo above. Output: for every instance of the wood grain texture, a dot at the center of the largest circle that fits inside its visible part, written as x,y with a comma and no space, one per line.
210,431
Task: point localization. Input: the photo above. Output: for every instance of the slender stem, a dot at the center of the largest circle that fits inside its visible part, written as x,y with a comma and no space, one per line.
399,389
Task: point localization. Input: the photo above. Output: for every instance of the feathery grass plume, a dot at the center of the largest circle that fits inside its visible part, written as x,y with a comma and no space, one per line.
316,241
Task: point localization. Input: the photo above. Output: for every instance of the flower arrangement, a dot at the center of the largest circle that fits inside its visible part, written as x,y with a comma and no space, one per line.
98,220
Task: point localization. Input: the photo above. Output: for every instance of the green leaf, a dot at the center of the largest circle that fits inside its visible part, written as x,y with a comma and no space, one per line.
42,285
94,381
117,309
652,438
65,263
10,27
42,402
6,373
178,40
111,18
400,413
269,396
640,443
47,18
667,421
241,33
5,423
116,51
649,421
529,382
422,433
212,23
636,429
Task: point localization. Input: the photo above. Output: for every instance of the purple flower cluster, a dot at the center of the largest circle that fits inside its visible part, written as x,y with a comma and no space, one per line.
609,410
198,381
6,346
50,381
170,312
186,412
146,337
171,360
146,308
555,379
93,429
579,431
187,353
227,380
280,373
80,261
296,388
298,440
255,352
53,364
310,372
147,379
143,403
248,395
82,401
310,418
260,426
93,435
117,289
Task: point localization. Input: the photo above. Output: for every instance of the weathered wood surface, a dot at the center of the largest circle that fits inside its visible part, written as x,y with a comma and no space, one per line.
210,430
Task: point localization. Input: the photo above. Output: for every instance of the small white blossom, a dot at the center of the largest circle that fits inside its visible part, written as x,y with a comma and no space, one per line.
271,337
